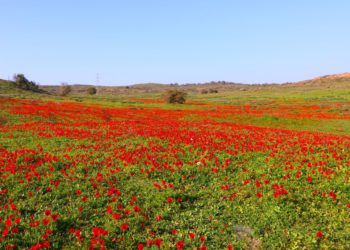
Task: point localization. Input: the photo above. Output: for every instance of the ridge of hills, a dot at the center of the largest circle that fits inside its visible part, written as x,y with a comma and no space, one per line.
335,81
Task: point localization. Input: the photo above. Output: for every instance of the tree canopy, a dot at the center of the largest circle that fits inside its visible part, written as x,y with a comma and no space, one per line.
22,82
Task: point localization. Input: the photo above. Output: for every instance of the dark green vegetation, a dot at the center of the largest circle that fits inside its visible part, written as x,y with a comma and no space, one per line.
21,82
91,90
175,96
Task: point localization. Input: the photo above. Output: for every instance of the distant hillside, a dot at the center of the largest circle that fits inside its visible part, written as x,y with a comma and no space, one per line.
340,81
77,89
337,81
334,81
344,76
150,88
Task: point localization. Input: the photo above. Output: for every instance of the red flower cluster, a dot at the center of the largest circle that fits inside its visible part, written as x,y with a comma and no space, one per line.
83,175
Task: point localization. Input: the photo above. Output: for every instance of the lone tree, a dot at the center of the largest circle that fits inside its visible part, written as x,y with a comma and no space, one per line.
65,89
175,96
92,90
22,82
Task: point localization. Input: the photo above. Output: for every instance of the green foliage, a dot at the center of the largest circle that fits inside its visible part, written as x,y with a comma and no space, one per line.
91,90
213,188
175,96
21,82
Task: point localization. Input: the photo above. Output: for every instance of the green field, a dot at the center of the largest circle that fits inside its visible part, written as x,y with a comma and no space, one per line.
249,167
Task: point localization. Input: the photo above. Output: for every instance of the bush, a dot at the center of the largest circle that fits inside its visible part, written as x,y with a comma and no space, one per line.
22,82
213,91
65,89
92,90
204,91
175,96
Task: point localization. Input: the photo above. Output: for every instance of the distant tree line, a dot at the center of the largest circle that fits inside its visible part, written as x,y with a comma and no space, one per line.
210,83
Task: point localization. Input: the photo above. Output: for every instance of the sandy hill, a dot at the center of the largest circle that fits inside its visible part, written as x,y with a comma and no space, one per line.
336,80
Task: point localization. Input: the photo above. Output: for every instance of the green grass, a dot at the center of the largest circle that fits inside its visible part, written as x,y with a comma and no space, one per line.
340,127
212,164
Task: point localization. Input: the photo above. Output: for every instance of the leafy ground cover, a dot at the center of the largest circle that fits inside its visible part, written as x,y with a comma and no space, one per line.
147,175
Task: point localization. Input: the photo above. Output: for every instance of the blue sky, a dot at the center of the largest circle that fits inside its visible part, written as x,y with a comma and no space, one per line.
135,41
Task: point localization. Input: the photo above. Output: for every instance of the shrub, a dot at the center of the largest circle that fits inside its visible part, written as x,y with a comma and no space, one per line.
22,82
213,91
65,89
204,91
175,96
92,90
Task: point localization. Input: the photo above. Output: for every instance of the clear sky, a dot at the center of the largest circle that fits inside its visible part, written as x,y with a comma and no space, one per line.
168,41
